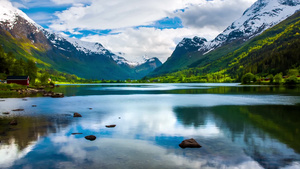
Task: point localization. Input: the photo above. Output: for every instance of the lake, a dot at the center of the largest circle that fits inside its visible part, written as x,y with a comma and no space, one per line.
237,127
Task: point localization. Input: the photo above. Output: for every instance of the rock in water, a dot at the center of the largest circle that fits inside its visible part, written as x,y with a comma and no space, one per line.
13,122
18,110
77,115
189,143
90,137
110,126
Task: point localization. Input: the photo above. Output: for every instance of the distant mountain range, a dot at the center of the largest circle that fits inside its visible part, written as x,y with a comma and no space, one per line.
197,52
262,40
26,39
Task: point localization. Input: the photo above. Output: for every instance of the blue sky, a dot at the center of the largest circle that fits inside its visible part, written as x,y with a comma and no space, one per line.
135,27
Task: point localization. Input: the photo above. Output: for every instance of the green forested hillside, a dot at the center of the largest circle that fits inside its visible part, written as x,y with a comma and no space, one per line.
275,50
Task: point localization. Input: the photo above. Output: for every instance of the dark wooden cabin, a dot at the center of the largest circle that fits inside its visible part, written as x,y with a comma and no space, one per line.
22,80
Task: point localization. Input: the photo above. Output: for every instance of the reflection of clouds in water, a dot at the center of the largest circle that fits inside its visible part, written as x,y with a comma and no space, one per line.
120,153
148,88
9,153
143,121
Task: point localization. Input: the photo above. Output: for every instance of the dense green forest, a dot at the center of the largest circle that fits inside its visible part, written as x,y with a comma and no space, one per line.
276,51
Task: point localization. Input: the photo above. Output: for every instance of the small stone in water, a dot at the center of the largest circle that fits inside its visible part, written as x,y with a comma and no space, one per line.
90,137
110,126
77,115
13,122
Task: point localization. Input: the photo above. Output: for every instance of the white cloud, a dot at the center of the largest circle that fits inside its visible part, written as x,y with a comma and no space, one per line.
62,2
136,43
200,18
103,14
19,5
217,14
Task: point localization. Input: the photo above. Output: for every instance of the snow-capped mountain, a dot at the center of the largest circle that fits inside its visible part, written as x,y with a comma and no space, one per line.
71,55
262,15
9,15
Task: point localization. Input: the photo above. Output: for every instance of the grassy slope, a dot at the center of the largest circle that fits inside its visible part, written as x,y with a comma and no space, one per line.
91,67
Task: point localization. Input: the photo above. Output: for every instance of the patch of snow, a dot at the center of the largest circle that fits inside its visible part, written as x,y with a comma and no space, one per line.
120,60
9,15
87,47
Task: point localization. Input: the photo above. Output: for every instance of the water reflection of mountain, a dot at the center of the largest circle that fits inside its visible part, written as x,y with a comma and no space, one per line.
268,134
17,141
29,129
127,89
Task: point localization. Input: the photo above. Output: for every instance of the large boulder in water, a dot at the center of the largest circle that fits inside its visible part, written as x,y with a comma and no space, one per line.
189,143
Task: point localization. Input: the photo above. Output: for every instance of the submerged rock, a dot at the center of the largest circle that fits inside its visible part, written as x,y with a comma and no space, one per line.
189,143
77,115
90,137
57,95
76,133
33,105
13,122
110,126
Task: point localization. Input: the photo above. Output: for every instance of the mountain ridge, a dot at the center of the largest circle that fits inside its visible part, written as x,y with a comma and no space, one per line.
50,50
263,14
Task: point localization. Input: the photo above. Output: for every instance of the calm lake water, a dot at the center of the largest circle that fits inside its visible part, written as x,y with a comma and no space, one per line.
237,126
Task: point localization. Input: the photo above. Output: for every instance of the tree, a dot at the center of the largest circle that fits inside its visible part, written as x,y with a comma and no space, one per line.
292,80
31,70
44,78
278,78
18,68
293,72
247,78
271,77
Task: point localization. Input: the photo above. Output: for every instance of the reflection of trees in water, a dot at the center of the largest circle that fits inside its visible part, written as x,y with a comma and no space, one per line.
253,128
191,116
29,129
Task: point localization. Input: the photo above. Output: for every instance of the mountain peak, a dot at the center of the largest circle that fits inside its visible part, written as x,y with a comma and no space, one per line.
262,15
10,14
194,42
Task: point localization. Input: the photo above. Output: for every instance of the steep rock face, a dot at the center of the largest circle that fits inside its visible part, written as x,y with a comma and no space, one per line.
181,55
262,15
28,40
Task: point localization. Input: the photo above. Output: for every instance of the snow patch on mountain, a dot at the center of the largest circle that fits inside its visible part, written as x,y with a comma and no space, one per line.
87,47
9,15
